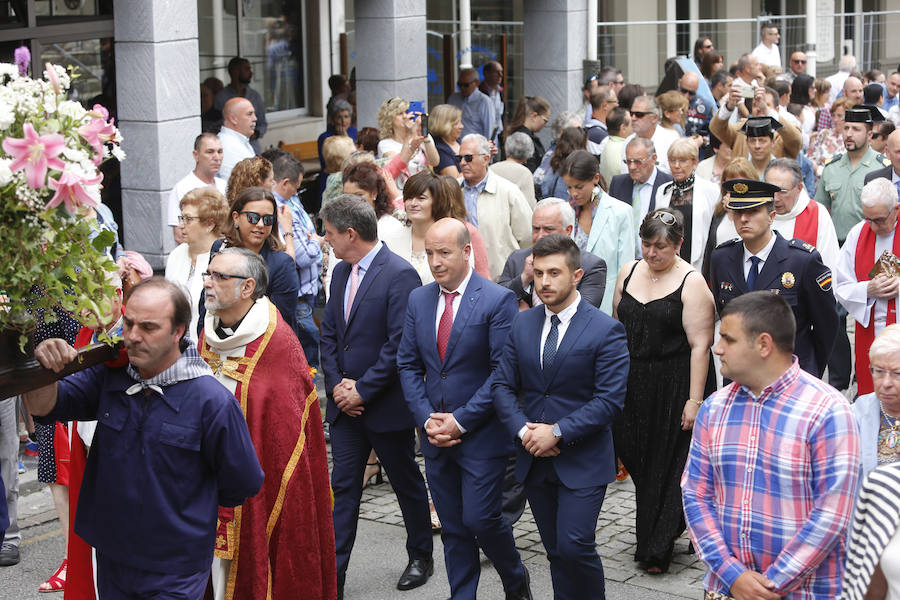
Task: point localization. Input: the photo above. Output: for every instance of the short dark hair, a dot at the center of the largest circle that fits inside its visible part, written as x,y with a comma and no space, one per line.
872,92
235,62
885,128
580,165
653,227
349,210
765,312
720,76
285,166
205,135
615,119
782,87
557,243
181,306
336,82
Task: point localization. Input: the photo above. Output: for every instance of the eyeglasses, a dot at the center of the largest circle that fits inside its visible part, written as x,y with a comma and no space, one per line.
635,161
879,373
464,157
798,61
253,218
216,276
880,220
690,93
636,114
545,118
185,219
465,84
667,218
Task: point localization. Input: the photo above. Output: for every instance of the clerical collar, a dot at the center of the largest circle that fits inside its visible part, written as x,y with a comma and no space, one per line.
226,332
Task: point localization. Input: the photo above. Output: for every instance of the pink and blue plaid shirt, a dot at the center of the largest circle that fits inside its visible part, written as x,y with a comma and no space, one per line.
769,485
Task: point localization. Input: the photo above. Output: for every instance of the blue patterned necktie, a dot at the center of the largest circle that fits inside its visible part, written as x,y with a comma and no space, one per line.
754,273
550,343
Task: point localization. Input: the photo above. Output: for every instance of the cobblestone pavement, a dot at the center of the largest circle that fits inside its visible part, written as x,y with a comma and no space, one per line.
615,539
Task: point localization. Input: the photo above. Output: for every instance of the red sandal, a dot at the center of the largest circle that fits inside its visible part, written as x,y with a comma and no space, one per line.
57,581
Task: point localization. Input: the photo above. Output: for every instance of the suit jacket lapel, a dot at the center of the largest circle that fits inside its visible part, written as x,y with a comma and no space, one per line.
339,284
368,279
772,269
573,332
467,302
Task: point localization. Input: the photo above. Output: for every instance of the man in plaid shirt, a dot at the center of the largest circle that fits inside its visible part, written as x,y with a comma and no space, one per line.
770,481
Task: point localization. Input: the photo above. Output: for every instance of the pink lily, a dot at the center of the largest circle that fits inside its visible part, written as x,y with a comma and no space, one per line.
99,111
96,133
52,76
35,153
70,190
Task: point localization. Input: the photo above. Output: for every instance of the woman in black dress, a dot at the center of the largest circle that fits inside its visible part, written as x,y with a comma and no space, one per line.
668,314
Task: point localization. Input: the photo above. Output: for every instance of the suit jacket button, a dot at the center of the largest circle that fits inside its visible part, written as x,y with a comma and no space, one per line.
346,348
547,396
443,375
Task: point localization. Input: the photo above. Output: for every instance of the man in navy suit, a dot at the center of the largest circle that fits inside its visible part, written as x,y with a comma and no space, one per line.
361,330
453,339
559,387
638,187
763,260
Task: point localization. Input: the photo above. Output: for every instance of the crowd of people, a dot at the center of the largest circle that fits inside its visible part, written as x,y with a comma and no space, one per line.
665,292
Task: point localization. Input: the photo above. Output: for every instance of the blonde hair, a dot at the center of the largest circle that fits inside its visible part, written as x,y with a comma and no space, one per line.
442,118
335,150
684,148
212,207
672,100
390,109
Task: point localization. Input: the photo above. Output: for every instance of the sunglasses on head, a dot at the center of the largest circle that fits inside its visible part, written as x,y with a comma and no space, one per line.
690,93
253,218
464,157
667,218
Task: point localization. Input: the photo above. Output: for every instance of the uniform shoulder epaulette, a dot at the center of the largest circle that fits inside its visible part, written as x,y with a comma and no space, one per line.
832,159
885,161
801,245
730,242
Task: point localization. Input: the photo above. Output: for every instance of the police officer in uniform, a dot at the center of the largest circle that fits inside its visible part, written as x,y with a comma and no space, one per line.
763,260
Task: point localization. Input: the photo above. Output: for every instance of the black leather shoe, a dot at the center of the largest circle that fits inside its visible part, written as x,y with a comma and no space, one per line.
524,591
416,573
9,555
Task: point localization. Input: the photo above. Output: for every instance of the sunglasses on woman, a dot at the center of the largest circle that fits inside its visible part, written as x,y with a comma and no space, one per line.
254,217
668,219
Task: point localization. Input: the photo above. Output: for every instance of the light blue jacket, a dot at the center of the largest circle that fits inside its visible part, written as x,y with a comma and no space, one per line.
612,239
867,411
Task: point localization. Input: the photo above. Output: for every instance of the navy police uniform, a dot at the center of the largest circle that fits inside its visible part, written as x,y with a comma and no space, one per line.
793,269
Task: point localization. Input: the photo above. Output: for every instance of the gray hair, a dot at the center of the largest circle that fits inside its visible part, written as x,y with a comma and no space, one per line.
646,144
652,106
789,165
564,119
879,191
519,146
352,211
484,146
848,63
887,342
254,268
566,213
338,105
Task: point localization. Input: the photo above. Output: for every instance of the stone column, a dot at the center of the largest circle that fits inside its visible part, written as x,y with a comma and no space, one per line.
158,98
556,45
391,58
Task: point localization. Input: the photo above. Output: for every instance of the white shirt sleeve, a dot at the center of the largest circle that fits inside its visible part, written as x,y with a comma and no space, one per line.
851,293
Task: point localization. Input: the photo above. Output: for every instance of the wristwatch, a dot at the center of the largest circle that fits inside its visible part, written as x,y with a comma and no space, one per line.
556,431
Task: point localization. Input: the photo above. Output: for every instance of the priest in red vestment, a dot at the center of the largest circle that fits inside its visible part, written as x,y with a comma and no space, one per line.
279,544
869,298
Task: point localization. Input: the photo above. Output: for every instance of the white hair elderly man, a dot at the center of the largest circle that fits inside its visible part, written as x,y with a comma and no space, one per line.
645,115
494,205
845,67
551,215
872,301
519,148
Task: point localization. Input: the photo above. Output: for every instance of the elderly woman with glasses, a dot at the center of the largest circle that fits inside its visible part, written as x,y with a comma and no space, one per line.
254,227
668,314
203,218
691,196
401,129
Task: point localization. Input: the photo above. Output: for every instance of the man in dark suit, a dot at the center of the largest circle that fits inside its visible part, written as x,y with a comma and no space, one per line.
559,387
891,172
763,260
361,329
453,339
638,187
551,215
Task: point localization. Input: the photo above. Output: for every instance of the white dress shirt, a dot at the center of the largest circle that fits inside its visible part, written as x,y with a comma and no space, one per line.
235,148
762,255
565,317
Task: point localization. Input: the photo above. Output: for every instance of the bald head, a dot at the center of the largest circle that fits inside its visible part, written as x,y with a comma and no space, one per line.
892,150
688,84
853,89
238,114
447,248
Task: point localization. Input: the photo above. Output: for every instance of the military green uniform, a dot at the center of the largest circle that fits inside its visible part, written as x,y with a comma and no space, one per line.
839,189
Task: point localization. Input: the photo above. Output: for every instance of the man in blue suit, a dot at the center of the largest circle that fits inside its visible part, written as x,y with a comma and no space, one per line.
361,329
453,339
559,387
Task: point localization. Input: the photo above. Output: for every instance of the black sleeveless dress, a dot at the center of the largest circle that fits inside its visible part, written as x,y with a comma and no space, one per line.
649,440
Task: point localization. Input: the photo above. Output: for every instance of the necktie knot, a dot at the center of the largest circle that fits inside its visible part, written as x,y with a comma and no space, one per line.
755,260
554,320
550,344
753,273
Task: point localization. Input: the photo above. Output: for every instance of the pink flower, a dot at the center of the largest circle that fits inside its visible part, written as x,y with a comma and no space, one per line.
70,190
99,111
35,153
52,76
96,133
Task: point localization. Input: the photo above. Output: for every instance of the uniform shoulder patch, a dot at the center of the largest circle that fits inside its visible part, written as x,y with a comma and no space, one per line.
832,159
886,161
801,245
824,280
730,242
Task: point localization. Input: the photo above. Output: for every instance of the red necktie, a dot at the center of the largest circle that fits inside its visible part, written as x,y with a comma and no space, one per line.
446,324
